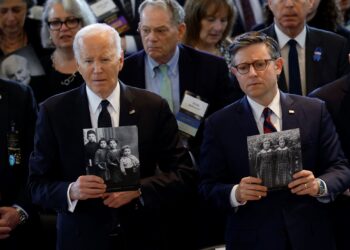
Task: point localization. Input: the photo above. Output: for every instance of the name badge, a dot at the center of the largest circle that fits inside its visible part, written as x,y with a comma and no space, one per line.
191,113
13,146
102,7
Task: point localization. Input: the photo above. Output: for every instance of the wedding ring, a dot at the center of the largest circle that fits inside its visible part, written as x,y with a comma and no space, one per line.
305,185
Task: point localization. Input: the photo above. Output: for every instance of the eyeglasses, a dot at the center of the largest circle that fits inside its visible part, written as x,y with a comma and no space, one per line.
70,23
258,65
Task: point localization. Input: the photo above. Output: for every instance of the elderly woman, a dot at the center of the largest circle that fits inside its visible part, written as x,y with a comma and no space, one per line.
16,30
61,20
209,23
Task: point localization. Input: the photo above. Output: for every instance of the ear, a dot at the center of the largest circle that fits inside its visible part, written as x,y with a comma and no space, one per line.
234,71
121,61
279,65
181,28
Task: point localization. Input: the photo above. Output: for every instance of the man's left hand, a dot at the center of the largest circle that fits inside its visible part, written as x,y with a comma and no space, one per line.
304,183
118,199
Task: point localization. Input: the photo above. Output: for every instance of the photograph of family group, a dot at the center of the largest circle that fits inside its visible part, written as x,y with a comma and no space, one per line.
112,154
275,157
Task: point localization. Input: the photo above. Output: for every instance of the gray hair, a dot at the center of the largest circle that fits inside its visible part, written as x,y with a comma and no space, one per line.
97,29
254,37
78,8
30,3
178,13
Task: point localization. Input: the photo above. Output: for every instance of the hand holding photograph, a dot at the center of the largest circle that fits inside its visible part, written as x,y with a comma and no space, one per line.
275,157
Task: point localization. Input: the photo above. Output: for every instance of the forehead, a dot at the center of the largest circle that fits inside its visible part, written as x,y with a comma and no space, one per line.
56,10
155,16
252,52
96,45
12,3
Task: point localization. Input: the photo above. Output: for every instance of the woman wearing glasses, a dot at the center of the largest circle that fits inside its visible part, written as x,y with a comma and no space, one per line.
61,20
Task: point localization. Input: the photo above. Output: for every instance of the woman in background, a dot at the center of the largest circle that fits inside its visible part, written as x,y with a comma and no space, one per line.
61,20
209,24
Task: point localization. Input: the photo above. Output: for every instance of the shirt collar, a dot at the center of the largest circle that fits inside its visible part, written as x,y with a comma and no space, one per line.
274,106
95,100
172,63
283,38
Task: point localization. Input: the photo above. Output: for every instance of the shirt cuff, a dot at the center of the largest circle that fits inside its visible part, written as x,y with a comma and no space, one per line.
71,204
233,199
24,211
325,197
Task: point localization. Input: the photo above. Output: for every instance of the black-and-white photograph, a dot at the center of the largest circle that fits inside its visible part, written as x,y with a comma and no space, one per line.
21,66
112,154
275,157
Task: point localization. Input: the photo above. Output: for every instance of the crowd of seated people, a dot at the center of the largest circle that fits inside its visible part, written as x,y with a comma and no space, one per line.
180,50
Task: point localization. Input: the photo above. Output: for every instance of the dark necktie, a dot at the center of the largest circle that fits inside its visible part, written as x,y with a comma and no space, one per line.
248,14
104,118
268,126
294,72
128,8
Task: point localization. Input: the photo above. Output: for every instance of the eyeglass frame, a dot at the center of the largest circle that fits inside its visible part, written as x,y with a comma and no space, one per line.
266,61
65,22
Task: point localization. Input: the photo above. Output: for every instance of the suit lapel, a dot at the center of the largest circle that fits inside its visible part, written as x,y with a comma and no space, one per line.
82,109
282,85
289,113
245,118
186,71
128,112
311,67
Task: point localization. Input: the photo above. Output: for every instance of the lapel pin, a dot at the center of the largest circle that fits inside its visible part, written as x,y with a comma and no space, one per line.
317,55
131,112
291,111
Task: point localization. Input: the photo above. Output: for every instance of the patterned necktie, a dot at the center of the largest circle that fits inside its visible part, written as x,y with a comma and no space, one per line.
165,85
294,72
248,14
128,8
268,126
104,118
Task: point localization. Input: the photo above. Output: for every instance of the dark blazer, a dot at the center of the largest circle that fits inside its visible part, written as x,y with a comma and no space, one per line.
334,61
58,160
262,224
133,22
201,73
18,110
337,97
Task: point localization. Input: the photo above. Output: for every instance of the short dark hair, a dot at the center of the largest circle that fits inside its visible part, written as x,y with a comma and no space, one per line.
90,132
254,37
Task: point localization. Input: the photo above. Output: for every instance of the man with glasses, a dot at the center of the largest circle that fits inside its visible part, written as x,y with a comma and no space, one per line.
162,28
292,218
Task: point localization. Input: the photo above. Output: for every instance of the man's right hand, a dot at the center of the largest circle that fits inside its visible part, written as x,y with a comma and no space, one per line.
250,189
87,187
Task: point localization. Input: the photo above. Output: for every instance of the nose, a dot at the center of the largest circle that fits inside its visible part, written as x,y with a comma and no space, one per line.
97,67
64,27
218,25
252,70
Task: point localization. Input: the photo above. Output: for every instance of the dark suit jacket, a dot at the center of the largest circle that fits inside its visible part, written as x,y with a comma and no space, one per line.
17,108
334,61
133,22
201,73
262,224
337,97
58,160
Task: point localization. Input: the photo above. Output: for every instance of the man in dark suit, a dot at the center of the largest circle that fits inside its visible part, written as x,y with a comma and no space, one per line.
296,217
337,97
88,217
323,55
162,28
19,220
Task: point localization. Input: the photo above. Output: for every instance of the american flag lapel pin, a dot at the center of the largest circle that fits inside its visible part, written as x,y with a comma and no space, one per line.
291,111
131,111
